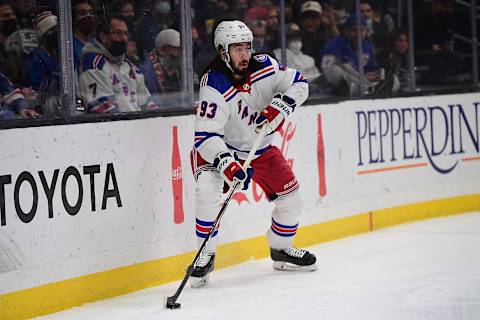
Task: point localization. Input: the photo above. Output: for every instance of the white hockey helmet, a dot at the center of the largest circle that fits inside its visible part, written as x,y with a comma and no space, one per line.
230,32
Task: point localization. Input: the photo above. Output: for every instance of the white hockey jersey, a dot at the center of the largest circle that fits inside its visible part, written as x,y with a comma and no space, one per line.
226,114
111,85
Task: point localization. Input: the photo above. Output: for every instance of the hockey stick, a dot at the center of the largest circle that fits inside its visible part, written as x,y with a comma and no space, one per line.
171,301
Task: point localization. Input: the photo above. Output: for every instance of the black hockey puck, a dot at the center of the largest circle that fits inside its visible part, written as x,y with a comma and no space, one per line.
171,304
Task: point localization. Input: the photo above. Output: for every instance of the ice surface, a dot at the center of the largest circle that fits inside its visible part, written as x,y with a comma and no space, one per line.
425,270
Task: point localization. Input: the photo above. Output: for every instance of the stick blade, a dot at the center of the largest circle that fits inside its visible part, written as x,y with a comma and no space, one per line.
171,304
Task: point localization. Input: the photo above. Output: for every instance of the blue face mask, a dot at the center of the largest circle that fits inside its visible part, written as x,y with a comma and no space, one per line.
163,8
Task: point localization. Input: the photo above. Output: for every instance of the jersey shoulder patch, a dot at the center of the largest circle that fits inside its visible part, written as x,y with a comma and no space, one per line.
217,80
92,61
261,57
260,61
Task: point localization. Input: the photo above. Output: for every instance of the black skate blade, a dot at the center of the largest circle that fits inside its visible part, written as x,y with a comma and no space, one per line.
285,266
171,304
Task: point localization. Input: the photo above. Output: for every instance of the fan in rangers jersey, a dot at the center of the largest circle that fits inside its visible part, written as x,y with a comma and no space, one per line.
108,81
239,93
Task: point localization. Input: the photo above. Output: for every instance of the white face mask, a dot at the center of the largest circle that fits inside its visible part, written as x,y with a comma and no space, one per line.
295,46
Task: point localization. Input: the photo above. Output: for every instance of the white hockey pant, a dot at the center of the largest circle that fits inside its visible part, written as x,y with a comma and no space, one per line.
208,198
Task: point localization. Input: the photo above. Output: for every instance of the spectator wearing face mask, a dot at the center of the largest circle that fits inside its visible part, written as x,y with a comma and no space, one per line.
126,9
162,67
296,59
108,80
84,27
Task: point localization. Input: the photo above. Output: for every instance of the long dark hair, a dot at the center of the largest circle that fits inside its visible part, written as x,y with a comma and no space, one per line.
396,33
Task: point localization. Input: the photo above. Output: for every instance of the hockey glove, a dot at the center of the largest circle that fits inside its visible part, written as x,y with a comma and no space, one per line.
275,113
232,170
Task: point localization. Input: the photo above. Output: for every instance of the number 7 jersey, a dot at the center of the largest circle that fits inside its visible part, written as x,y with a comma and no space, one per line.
226,113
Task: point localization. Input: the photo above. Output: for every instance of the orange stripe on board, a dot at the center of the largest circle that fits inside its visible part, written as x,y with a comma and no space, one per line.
405,166
471,159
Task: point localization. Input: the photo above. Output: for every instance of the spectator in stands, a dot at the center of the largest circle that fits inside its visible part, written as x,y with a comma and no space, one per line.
8,25
108,81
202,51
272,38
434,23
18,44
13,104
259,30
340,60
162,68
25,11
318,27
296,59
126,9
42,64
434,28
158,17
84,27
379,25
394,61
239,9
208,12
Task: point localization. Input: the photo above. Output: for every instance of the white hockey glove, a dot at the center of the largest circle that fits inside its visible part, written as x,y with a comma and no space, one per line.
232,170
275,113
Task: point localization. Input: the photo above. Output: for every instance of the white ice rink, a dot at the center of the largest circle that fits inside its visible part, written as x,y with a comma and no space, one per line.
425,270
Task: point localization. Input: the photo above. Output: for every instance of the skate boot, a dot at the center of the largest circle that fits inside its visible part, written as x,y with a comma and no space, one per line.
293,259
201,273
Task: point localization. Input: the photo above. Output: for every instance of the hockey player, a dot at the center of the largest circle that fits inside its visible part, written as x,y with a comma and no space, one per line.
239,93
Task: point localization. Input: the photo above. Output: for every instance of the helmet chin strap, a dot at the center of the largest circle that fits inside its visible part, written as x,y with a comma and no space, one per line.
226,58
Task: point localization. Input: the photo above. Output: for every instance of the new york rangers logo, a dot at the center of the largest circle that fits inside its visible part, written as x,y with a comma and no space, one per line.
260,58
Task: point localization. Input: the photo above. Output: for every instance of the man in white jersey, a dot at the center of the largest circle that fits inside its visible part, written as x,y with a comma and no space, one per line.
108,81
239,93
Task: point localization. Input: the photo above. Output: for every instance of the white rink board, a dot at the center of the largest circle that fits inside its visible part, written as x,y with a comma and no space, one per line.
139,156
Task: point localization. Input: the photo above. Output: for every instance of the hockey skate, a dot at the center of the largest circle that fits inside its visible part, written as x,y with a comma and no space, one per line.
201,273
293,259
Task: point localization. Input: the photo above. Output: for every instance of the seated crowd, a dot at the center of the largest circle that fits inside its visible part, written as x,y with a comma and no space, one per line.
127,53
